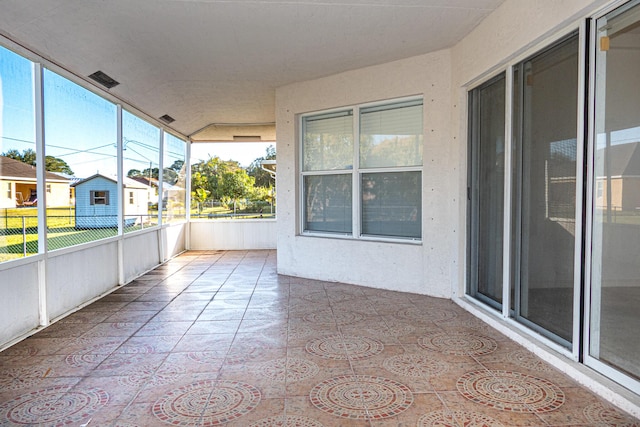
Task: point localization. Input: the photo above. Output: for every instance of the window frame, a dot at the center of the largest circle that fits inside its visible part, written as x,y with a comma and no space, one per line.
96,199
357,174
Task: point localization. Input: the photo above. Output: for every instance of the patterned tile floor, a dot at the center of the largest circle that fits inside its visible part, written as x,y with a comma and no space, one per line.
216,338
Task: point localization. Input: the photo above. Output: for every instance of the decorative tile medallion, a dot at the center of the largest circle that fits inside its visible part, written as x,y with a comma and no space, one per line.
339,296
316,297
288,369
286,421
206,356
527,360
391,329
300,331
343,347
510,391
53,406
21,350
120,361
425,314
101,331
152,375
91,354
598,414
206,403
235,356
21,377
328,317
458,343
361,397
457,418
415,365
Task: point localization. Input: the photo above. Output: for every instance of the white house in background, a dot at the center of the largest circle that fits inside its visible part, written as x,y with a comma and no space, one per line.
18,185
97,201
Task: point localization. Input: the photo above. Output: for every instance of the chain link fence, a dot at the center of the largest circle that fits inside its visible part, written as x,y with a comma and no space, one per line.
19,229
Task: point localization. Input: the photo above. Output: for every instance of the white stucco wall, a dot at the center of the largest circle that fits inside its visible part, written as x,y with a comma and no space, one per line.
424,268
437,267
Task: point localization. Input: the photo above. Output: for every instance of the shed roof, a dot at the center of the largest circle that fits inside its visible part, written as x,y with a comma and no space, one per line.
128,182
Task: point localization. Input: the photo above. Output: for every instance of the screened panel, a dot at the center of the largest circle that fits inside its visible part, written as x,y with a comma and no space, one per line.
392,204
141,157
327,142
391,135
328,203
81,140
174,179
18,212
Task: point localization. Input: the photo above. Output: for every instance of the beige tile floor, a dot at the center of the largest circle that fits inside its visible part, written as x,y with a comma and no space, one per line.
216,338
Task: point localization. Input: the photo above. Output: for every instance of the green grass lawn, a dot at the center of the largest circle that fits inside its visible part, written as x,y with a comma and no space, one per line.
17,223
61,231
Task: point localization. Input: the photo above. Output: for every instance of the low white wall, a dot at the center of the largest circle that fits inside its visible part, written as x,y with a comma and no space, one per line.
141,253
173,240
234,234
425,268
76,277
19,301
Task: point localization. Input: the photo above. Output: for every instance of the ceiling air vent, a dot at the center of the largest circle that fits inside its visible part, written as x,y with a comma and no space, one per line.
167,119
104,79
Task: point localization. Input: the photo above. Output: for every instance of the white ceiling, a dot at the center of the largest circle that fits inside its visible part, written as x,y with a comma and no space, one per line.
219,61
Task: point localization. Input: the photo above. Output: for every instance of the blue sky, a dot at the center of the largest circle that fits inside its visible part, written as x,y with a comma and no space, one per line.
80,126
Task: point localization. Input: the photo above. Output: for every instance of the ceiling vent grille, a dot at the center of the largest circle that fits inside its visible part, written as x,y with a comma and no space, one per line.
167,119
104,79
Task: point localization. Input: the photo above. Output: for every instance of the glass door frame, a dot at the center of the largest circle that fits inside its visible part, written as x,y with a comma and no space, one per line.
607,370
510,263
574,347
472,174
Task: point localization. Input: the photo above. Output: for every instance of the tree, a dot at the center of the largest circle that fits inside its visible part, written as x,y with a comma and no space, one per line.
200,196
51,163
262,177
54,164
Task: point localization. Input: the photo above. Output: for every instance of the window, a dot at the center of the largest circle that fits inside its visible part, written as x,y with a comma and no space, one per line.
48,188
131,198
366,160
8,189
99,197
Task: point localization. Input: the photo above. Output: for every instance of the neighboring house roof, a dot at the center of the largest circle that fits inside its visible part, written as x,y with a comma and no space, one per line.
623,160
128,182
152,182
15,170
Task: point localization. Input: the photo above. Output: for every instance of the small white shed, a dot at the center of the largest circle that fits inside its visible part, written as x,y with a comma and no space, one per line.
97,202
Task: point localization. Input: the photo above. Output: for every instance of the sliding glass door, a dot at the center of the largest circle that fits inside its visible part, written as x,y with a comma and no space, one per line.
615,243
486,190
545,198
560,235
